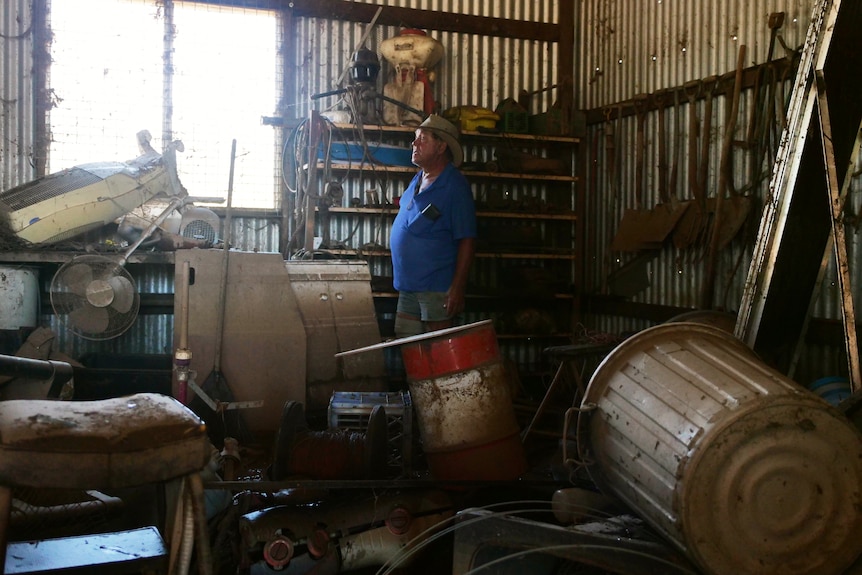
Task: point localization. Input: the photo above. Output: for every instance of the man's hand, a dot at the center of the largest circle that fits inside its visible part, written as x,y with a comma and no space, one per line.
455,302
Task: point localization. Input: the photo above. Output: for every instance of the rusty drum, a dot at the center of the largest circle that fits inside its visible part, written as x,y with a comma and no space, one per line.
458,384
740,467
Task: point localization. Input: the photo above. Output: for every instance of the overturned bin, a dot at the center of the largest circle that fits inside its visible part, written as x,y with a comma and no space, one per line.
741,468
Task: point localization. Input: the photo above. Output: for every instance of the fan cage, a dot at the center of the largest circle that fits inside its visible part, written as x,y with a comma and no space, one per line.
75,310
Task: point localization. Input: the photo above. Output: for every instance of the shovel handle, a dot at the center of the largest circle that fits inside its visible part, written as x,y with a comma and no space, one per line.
659,98
222,303
710,84
639,103
692,89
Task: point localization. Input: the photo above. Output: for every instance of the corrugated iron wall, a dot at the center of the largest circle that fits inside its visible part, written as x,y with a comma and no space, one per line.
475,70
629,48
624,48
478,70
16,92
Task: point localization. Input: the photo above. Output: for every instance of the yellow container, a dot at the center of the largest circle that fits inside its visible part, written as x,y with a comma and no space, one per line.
471,118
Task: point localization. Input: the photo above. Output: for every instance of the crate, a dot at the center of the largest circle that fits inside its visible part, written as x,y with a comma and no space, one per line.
514,122
549,123
351,410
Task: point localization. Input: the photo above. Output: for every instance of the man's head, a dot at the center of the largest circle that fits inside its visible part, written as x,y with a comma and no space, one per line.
436,138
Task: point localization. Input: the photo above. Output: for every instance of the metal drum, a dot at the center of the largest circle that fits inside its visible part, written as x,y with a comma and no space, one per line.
463,403
19,297
743,469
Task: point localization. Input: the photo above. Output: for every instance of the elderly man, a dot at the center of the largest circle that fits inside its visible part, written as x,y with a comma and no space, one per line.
433,238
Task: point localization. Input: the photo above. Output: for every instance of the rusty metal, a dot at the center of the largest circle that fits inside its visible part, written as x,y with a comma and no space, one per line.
264,338
715,238
463,398
344,534
329,454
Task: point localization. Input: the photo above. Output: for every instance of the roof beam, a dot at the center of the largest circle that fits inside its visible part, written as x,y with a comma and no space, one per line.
405,17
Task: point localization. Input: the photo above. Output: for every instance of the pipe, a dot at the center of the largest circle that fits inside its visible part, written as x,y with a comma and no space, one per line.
188,534
58,372
183,355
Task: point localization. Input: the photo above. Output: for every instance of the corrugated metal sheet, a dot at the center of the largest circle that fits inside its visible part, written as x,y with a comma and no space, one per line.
481,70
478,70
16,93
545,11
628,47
624,47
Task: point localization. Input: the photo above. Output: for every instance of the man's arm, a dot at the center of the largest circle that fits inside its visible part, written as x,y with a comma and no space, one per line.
456,295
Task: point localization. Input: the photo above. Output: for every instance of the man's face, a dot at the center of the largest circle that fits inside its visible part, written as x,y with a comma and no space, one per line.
426,148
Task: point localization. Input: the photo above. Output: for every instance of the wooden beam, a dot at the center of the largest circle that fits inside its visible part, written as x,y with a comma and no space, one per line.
406,17
783,68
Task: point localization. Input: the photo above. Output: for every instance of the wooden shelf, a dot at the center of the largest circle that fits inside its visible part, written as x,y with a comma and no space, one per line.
394,294
61,257
391,211
499,255
469,134
408,170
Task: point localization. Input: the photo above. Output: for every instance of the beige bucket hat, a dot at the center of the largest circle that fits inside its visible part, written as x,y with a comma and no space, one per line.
448,132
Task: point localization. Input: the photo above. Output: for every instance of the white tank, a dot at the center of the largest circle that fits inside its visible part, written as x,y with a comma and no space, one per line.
19,297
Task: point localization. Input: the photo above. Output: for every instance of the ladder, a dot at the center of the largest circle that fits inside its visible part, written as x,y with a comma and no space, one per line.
801,225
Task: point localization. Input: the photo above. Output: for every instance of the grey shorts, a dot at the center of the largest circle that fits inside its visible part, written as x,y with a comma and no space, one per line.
425,305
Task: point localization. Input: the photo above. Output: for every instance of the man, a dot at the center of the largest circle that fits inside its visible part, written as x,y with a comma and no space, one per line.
433,238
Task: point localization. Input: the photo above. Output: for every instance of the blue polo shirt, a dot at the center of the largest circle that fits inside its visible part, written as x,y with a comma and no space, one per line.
424,248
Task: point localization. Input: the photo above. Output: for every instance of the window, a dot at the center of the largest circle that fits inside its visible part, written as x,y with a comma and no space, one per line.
108,74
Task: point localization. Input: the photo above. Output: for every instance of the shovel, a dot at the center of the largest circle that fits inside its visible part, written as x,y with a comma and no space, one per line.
666,215
629,236
216,392
640,228
731,213
693,225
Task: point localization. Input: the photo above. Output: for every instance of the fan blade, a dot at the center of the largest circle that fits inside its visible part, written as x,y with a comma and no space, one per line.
77,277
124,293
89,319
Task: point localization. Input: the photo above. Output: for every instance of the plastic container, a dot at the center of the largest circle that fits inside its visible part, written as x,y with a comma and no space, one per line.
833,389
381,153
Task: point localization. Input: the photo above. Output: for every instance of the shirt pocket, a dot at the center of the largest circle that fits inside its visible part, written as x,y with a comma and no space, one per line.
421,225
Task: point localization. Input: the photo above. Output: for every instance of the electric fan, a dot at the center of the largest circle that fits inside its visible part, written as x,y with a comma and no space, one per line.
95,297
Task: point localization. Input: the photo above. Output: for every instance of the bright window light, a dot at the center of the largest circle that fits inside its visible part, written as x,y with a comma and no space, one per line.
107,78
